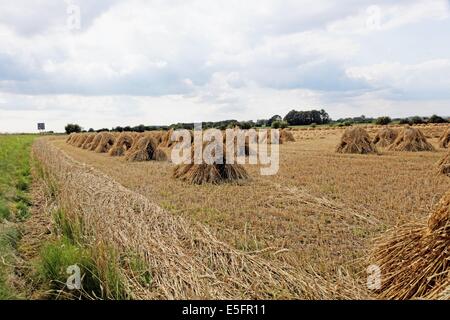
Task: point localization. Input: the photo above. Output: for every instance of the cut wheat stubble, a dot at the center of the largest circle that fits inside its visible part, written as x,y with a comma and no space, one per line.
186,260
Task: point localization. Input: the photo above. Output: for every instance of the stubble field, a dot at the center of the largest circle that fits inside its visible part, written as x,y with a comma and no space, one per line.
319,214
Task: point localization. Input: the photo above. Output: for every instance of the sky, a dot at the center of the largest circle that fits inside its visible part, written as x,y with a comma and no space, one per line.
156,62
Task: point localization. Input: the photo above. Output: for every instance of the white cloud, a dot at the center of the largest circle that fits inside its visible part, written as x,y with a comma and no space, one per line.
426,80
388,16
161,62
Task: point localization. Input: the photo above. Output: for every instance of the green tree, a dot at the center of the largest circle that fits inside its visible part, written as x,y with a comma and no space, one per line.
405,121
274,118
284,124
261,123
72,128
246,125
139,128
325,116
276,124
417,120
302,118
436,119
383,121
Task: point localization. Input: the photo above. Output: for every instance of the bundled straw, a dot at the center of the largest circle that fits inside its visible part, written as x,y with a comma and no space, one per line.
411,139
95,142
415,259
164,150
71,137
75,138
267,138
81,139
444,140
210,173
286,136
106,142
385,137
157,135
166,141
123,143
356,140
444,165
88,142
162,154
143,149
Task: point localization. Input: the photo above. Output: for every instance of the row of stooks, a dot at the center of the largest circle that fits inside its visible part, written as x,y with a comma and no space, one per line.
157,145
413,259
410,139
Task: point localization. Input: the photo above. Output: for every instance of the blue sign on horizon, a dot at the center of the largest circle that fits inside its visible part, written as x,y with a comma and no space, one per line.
41,126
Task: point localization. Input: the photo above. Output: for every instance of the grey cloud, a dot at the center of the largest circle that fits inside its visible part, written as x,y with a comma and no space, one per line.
315,75
186,57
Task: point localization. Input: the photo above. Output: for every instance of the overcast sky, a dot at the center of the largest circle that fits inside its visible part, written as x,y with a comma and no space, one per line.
161,62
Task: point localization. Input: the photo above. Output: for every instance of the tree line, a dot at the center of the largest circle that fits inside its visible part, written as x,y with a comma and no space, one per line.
292,118
385,120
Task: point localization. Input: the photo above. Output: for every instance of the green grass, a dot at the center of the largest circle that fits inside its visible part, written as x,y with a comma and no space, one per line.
57,256
9,237
99,265
15,179
5,212
100,273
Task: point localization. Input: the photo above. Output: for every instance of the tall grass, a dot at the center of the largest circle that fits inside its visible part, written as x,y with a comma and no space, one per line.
15,182
100,274
99,264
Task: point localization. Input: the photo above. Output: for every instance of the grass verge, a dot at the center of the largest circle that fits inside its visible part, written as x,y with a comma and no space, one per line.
102,271
15,179
99,273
